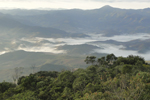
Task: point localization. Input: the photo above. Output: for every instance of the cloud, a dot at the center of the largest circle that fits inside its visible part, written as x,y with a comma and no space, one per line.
73,4
75,0
122,0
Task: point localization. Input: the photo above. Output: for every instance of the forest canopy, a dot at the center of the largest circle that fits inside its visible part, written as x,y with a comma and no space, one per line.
106,78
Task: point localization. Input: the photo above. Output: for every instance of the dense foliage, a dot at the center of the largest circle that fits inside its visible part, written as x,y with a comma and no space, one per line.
107,78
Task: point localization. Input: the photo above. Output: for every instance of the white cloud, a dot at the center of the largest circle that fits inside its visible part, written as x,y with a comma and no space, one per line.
71,4
77,0
122,0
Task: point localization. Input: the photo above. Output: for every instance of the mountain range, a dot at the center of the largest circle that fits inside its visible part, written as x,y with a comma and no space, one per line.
104,20
76,32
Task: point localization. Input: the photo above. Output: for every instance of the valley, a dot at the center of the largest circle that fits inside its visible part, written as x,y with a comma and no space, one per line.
61,39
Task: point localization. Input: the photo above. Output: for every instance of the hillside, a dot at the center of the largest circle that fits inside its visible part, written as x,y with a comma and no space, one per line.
113,78
11,28
41,61
106,20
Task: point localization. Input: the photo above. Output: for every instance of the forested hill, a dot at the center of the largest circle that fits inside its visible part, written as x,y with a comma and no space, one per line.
108,78
103,20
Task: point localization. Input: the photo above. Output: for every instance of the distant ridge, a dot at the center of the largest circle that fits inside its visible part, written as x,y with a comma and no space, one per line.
106,7
108,20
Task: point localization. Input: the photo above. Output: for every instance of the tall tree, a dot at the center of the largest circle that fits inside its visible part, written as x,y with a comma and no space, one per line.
17,74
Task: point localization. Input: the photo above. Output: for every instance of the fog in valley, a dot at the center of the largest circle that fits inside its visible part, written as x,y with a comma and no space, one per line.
103,44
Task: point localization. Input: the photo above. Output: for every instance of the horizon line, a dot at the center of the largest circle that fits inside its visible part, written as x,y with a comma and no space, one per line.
46,8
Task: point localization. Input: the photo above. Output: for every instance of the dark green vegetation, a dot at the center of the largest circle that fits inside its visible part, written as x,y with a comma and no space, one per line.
107,78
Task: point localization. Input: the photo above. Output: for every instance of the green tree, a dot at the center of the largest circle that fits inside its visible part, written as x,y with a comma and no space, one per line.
111,58
90,59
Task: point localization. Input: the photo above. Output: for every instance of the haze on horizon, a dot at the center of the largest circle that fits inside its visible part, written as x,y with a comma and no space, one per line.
73,4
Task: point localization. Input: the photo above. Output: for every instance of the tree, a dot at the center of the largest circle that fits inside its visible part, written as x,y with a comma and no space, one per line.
33,68
101,61
67,94
90,59
66,79
5,86
127,69
111,58
17,74
80,82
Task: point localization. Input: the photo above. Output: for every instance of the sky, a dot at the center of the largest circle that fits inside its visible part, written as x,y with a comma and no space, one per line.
73,4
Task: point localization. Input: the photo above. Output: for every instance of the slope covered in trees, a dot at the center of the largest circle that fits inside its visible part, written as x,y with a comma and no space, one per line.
108,78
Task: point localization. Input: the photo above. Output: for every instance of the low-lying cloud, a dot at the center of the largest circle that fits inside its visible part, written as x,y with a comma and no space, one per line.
50,45
44,48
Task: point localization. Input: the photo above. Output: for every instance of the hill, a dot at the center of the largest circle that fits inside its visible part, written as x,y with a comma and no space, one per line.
11,28
41,61
113,78
106,20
